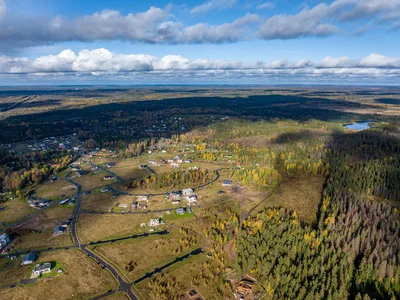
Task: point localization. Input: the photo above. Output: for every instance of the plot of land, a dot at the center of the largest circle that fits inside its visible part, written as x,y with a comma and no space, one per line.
81,279
107,226
128,169
301,194
37,232
118,296
144,254
93,180
11,271
53,190
180,275
14,210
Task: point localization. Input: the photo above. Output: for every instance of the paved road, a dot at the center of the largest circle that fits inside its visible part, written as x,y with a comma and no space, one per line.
22,282
123,286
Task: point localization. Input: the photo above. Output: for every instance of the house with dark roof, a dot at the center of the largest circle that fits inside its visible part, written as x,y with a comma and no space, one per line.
227,183
59,230
29,259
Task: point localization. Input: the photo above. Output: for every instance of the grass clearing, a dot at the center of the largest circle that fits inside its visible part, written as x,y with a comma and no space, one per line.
11,271
144,253
92,180
299,193
53,190
14,210
37,232
107,226
82,279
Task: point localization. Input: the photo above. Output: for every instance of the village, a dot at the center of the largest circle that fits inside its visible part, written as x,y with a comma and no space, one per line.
95,185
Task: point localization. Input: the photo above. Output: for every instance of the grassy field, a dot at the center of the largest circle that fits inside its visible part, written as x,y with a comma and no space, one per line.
181,274
145,253
100,227
53,190
14,210
128,169
11,271
82,279
302,194
92,180
117,296
37,232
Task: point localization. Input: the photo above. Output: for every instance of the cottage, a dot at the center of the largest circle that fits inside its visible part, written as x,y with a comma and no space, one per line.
4,240
111,164
135,205
59,230
142,166
221,193
245,287
192,198
108,177
143,198
41,269
103,190
187,192
65,223
123,205
176,202
175,196
227,183
180,211
154,222
62,202
29,259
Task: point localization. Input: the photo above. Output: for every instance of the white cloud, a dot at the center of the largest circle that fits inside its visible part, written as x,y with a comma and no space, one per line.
102,63
211,5
266,5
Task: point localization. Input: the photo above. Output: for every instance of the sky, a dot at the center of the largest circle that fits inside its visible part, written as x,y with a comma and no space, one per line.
200,42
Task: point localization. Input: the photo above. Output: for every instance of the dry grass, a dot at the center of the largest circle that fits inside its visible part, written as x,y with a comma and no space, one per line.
107,226
52,190
92,180
128,169
183,273
301,194
146,253
41,228
11,271
118,296
82,279
14,210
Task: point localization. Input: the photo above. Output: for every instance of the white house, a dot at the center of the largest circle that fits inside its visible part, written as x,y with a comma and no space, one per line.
4,240
143,198
41,269
187,192
192,198
227,183
154,222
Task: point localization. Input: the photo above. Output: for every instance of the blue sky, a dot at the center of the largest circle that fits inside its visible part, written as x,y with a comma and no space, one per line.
210,41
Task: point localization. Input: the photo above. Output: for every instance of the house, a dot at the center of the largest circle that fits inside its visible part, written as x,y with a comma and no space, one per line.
71,203
59,230
135,205
4,240
188,161
175,196
245,287
108,177
227,183
111,164
180,211
103,190
142,166
192,198
176,202
221,193
29,259
143,198
154,222
65,223
187,192
62,202
175,165
41,269
123,205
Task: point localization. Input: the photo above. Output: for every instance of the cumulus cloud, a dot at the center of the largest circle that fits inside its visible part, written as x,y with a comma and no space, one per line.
213,4
114,66
266,5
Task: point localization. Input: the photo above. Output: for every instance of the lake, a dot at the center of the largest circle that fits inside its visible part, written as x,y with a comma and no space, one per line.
358,126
